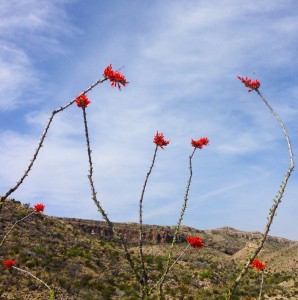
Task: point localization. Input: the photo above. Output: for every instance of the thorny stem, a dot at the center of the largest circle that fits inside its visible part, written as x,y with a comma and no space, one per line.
274,207
100,209
14,225
170,268
40,144
141,233
283,129
30,274
262,284
177,230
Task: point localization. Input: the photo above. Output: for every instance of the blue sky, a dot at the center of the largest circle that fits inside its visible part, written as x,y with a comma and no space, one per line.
181,59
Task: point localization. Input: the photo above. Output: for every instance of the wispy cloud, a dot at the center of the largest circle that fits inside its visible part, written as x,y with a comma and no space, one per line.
30,31
182,71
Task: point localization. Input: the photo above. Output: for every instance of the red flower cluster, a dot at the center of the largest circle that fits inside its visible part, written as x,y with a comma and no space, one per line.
159,140
200,143
9,263
116,78
82,101
258,265
195,242
39,207
250,84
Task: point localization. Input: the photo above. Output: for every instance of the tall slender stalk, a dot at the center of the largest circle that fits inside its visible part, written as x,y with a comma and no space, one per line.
170,268
52,293
14,225
141,233
40,143
177,230
276,201
100,209
261,285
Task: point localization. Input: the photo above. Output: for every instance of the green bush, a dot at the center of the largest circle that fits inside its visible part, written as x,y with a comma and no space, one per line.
31,263
39,250
74,252
205,274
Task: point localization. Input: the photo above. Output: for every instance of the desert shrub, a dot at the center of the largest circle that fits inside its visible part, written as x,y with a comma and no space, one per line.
186,279
160,262
74,252
149,259
205,274
31,263
39,250
84,281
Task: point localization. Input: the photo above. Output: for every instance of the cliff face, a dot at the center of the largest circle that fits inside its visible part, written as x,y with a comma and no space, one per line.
130,231
226,240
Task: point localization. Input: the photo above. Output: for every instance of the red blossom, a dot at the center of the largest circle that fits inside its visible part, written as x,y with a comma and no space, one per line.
159,140
116,78
250,84
258,265
39,207
200,143
9,263
195,242
82,101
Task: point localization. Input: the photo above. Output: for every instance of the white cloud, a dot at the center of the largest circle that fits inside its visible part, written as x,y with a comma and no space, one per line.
26,26
16,75
182,73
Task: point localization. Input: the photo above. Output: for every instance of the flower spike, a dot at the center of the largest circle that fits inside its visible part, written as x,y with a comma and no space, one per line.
252,85
82,101
159,140
195,242
39,207
116,78
9,263
200,143
258,265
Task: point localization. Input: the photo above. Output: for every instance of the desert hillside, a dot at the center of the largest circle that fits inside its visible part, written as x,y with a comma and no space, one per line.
81,259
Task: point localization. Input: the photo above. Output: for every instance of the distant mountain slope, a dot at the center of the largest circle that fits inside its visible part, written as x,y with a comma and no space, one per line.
82,260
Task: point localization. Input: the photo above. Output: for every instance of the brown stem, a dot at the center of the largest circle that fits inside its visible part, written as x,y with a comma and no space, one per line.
285,132
40,144
277,201
30,274
262,284
170,268
141,233
14,225
99,207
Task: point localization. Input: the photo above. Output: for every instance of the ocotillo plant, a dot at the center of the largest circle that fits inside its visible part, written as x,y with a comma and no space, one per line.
199,144
254,85
147,286
10,264
259,266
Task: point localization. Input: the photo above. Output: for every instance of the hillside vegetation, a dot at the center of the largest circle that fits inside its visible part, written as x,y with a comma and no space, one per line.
81,259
